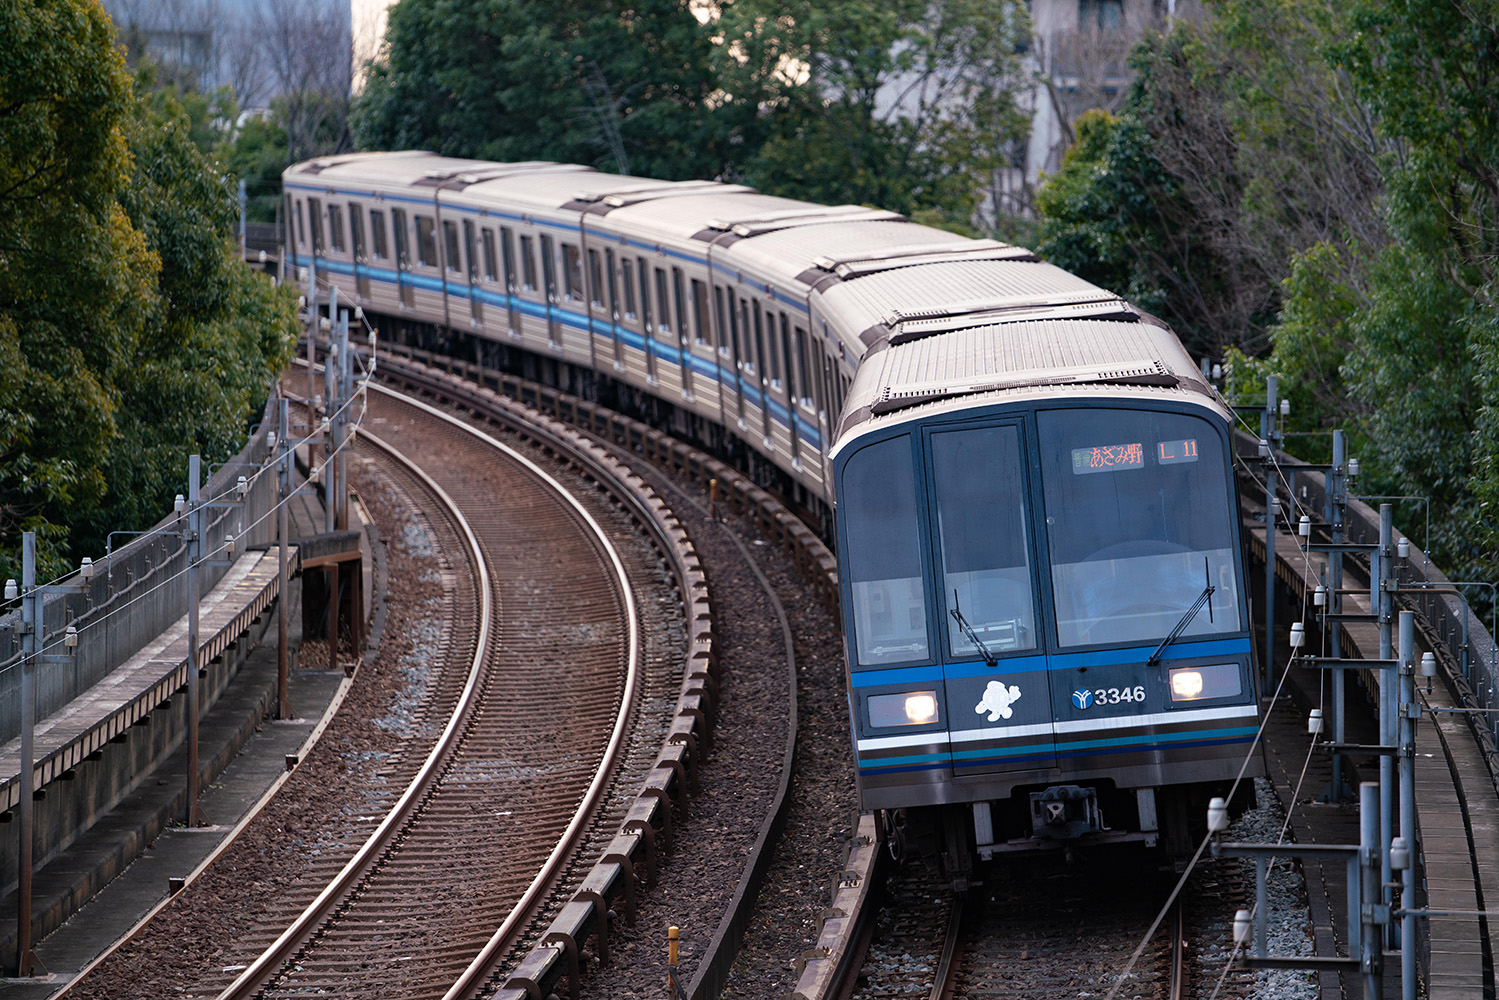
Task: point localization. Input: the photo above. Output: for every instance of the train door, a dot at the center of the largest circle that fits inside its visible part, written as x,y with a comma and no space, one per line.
361,250
764,374
684,344
994,669
792,387
549,278
732,326
472,261
512,286
642,271
315,222
614,309
403,255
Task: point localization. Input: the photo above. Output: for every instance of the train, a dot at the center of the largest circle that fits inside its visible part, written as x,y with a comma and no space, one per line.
1027,480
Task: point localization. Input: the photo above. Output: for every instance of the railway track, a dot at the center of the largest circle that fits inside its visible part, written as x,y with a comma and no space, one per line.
499,804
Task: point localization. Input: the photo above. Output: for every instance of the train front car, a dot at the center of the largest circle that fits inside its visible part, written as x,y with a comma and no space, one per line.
1043,589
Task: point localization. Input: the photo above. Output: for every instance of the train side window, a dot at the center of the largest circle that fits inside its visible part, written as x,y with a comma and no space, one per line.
468,252
450,246
315,216
527,264
301,231
426,241
663,306
978,478
595,280
702,331
720,315
767,361
336,227
377,232
627,267
809,386
572,272
882,533
486,242
356,233
398,226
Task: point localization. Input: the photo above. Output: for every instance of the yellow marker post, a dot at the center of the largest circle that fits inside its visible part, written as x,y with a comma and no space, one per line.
672,939
713,499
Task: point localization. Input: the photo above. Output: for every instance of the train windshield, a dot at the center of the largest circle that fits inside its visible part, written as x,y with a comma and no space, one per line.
1139,524
981,516
883,558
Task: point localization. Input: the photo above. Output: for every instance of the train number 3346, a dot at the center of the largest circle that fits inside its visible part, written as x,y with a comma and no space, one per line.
1113,696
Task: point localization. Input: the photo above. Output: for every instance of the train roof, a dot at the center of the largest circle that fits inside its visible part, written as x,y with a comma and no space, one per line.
1033,359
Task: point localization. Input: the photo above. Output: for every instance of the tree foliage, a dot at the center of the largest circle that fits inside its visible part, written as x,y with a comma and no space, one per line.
129,334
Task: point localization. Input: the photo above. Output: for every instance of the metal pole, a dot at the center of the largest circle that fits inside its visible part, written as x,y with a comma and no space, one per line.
283,532
1272,504
1387,697
1371,957
31,627
331,405
312,326
242,201
1408,803
345,394
194,555
1338,501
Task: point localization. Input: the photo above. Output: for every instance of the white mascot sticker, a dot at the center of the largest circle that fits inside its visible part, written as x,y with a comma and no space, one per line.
997,700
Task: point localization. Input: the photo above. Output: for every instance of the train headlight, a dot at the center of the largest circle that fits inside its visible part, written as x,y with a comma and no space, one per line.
1196,683
912,708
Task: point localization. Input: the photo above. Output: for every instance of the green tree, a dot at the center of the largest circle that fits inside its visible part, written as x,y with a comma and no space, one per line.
121,302
905,105
624,87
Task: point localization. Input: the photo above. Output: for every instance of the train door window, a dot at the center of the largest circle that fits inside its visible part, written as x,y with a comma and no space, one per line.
679,302
507,257
356,234
398,225
549,266
627,267
643,272
426,241
663,307
1138,525
749,339
786,357
450,246
336,227
882,535
701,330
595,280
572,272
807,384
468,252
527,264
978,482
377,234
486,243
722,317
301,232
315,216
766,362
614,307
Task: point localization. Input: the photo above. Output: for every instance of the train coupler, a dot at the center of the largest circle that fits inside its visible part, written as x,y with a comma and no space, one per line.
1065,812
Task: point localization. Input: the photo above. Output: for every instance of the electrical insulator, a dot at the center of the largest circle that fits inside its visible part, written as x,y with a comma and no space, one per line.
1353,466
1304,526
1319,597
11,591
1264,448
1314,722
1243,929
70,638
1400,854
1428,665
1285,407
179,505
229,545
86,568
1217,373
1217,815
1403,548
1298,635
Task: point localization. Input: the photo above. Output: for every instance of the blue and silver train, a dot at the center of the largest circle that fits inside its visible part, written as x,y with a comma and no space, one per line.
1044,612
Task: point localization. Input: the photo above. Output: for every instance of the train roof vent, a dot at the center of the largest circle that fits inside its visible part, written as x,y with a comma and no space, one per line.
623,198
1095,304
1133,372
856,265
770,222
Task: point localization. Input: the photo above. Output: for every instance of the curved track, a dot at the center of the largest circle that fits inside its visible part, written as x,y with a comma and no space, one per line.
502,797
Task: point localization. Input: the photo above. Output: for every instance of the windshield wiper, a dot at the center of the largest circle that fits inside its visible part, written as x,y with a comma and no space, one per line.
957,614
1205,597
